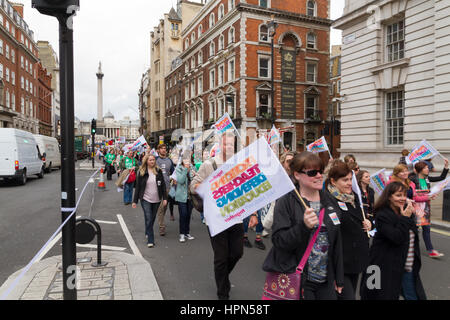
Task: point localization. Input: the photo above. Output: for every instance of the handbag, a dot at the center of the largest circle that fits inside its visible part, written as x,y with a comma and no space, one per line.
173,190
287,286
197,201
131,177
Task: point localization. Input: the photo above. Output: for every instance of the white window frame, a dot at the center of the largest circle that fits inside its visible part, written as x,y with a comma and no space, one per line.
231,35
212,20
200,57
212,79
263,36
221,13
314,14
231,5
308,64
200,85
258,103
388,97
268,4
212,49
316,104
221,74
308,42
269,64
398,42
221,42
231,73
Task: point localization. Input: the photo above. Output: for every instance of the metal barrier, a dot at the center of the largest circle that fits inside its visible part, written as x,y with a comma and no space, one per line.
86,230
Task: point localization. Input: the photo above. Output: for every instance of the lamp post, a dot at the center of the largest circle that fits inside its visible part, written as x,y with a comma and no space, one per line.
64,10
272,29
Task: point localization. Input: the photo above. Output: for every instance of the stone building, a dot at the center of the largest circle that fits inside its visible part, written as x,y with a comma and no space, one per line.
44,112
227,67
395,78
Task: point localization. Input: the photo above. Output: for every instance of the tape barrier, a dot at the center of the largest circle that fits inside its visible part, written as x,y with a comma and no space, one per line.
25,270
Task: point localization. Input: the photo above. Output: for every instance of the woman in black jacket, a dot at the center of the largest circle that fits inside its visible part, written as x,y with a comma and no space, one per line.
367,193
293,227
395,252
150,190
354,227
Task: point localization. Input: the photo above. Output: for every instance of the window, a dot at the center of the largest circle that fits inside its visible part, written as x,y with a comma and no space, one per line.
394,117
212,20
311,72
263,105
311,106
13,101
200,114
263,3
231,70
311,41
231,35
396,41
1,46
221,106
200,30
311,9
186,43
13,78
22,62
212,109
263,33
200,57
192,88
200,85
193,37
221,11
192,63
7,52
212,49
186,92
231,4
264,67
13,56
212,79
22,105
8,99
221,75
221,42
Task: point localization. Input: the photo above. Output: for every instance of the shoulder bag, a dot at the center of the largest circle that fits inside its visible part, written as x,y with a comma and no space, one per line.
197,201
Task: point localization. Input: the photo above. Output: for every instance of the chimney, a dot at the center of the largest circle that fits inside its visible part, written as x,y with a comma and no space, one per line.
19,8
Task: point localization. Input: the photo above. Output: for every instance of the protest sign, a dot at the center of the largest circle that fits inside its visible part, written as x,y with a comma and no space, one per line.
422,151
378,181
274,136
319,146
247,182
225,123
138,143
436,189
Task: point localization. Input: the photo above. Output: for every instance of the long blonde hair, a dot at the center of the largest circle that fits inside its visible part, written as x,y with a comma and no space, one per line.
144,167
398,169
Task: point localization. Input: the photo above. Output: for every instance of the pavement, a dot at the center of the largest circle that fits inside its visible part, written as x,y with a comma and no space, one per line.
124,277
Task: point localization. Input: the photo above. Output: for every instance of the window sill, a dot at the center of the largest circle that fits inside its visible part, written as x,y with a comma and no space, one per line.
398,63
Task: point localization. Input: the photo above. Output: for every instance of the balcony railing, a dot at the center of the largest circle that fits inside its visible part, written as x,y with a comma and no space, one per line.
313,116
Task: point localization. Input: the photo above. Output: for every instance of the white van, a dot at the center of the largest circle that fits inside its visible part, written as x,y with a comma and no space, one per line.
49,148
19,155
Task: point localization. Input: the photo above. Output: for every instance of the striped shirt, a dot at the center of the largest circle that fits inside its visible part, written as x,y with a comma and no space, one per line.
410,257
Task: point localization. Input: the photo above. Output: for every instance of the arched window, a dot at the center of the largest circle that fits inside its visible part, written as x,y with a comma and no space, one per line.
311,8
212,49
186,43
311,41
221,11
263,33
193,37
221,42
231,5
200,57
231,35
212,20
200,30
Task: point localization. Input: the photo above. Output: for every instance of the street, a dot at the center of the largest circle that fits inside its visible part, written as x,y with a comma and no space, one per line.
30,215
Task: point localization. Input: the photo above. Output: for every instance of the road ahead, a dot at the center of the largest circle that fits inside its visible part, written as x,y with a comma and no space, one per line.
30,215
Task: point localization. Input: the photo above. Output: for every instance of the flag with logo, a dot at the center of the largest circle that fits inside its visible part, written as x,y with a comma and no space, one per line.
424,150
318,146
274,136
138,143
223,124
378,181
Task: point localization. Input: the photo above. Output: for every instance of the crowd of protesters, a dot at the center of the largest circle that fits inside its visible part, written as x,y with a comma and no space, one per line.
356,232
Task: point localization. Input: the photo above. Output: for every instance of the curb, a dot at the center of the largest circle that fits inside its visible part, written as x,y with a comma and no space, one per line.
444,226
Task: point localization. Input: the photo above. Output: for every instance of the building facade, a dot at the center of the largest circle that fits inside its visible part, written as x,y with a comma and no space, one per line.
333,127
144,102
18,70
166,45
44,112
227,67
50,61
395,78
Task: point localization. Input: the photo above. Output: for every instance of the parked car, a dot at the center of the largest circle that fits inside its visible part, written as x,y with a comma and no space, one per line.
19,155
49,148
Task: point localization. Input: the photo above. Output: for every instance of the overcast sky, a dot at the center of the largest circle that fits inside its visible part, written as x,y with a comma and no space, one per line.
118,34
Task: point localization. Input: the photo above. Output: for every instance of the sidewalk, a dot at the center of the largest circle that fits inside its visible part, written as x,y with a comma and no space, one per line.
125,277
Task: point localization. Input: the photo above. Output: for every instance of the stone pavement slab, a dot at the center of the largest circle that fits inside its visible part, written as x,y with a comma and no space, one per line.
124,277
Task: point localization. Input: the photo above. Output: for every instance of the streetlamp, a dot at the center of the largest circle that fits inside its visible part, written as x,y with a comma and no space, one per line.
272,29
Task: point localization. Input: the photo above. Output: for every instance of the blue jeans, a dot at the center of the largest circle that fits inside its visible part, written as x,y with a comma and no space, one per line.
426,234
150,210
128,192
259,226
409,286
185,210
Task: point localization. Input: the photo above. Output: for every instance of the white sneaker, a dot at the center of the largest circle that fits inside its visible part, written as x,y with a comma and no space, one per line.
150,245
182,238
189,237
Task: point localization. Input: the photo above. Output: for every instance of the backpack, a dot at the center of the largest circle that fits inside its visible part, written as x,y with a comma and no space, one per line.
197,201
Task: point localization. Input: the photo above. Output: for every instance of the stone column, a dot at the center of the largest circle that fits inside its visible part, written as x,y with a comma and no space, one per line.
100,93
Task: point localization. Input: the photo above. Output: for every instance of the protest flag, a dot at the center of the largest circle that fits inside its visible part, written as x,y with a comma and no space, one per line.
225,123
424,150
379,181
274,136
138,143
319,146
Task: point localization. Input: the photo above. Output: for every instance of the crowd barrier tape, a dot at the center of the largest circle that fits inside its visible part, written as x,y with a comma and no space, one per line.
25,270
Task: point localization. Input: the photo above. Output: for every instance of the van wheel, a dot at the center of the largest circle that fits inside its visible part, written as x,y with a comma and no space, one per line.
23,179
41,174
49,169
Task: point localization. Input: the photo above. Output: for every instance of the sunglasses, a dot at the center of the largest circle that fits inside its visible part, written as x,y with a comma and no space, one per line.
312,173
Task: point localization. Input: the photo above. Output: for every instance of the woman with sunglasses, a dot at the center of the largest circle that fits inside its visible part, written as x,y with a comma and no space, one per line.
354,227
293,227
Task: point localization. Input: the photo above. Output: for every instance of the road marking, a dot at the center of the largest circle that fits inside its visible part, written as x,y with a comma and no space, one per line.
94,246
441,232
49,247
102,221
130,240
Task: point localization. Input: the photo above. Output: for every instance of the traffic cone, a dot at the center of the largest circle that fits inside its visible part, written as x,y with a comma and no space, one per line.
101,184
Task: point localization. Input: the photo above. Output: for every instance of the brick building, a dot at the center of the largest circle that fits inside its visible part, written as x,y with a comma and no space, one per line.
18,70
44,112
333,127
227,67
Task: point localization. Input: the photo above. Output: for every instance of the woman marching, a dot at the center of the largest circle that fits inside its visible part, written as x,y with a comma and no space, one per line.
354,227
423,209
395,251
182,197
367,193
150,190
293,227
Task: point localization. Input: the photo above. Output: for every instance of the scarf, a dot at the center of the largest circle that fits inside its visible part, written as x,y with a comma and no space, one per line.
347,198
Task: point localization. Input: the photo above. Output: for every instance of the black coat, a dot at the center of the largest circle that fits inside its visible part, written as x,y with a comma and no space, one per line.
389,252
355,242
141,182
415,178
290,238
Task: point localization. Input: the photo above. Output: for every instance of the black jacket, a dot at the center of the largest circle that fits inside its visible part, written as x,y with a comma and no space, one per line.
389,251
141,182
290,238
355,242
415,179
369,202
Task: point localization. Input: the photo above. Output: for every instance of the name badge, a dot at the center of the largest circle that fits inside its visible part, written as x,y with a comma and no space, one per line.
334,218
343,206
